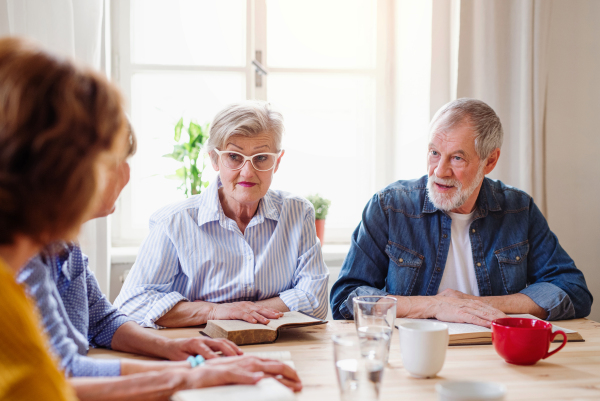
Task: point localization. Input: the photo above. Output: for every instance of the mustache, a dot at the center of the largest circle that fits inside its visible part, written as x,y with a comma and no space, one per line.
445,181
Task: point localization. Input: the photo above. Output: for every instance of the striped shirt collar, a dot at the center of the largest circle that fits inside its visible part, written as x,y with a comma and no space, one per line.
210,208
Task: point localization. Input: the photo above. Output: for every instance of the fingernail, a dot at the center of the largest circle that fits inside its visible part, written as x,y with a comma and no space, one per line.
258,374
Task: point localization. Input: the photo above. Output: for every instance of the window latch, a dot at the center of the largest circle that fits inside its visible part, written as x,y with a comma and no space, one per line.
260,69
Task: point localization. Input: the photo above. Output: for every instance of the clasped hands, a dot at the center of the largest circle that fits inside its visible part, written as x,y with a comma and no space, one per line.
457,307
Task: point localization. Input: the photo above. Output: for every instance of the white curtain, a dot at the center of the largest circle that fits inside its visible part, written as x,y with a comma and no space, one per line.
72,28
493,50
502,60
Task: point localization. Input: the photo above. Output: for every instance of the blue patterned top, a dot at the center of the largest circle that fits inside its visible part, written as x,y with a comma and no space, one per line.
74,311
195,252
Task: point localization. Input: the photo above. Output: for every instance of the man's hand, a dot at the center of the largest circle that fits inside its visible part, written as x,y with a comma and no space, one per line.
454,306
278,370
180,349
449,292
248,311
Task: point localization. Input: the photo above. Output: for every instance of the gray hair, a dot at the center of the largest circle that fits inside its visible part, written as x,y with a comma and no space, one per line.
248,118
481,118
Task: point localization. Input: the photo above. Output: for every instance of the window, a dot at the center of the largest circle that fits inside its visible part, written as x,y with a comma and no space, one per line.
326,74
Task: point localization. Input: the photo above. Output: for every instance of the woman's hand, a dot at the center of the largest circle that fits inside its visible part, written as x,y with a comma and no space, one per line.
180,349
248,311
278,370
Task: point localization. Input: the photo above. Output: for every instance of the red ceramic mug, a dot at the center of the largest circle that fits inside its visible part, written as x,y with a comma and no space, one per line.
524,341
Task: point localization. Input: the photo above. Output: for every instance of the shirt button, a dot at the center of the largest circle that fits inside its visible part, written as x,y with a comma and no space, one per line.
473,230
518,258
478,264
439,269
445,236
400,260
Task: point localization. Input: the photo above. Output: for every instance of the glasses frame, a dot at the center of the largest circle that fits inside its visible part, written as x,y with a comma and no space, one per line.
248,158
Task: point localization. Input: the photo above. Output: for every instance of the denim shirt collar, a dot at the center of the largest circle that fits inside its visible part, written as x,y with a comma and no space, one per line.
486,201
211,209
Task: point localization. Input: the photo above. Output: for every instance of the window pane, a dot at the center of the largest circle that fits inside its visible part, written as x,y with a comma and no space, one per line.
189,32
328,143
321,34
158,101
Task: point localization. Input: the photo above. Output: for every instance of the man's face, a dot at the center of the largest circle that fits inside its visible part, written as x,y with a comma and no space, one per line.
455,170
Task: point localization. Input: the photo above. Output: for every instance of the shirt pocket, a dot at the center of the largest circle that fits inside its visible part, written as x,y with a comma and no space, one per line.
403,268
513,266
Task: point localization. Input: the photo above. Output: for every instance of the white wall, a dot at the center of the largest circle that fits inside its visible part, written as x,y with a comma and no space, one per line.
573,136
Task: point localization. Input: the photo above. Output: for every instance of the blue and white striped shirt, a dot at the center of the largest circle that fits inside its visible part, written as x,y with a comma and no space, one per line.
195,252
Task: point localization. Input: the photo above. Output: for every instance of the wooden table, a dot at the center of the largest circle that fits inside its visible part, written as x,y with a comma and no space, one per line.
573,373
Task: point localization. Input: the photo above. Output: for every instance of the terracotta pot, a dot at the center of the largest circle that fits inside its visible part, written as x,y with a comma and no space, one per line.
320,226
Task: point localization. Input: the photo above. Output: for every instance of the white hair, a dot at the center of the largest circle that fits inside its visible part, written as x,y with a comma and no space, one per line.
480,117
248,118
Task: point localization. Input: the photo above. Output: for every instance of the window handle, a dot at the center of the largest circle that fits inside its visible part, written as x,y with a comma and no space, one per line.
260,69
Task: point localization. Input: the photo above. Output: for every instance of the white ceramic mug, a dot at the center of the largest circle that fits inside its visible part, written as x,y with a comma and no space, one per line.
423,347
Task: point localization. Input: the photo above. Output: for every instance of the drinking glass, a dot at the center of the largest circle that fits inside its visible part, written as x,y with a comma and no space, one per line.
374,316
359,376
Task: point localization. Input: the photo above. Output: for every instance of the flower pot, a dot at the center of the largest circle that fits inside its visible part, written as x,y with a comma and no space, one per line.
320,226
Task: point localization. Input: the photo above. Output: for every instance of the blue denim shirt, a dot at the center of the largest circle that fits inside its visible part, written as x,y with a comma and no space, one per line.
401,245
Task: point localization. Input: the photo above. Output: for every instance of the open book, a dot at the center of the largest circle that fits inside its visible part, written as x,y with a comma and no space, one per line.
265,390
470,334
244,333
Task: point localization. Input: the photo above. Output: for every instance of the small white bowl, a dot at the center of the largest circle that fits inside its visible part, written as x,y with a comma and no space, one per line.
470,391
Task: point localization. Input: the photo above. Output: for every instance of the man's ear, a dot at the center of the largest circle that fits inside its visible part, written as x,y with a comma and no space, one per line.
214,159
278,161
491,161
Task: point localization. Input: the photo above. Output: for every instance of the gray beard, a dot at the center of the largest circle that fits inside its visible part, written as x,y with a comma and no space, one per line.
451,202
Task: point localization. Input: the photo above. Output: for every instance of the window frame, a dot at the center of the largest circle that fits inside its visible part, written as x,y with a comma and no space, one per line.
125,234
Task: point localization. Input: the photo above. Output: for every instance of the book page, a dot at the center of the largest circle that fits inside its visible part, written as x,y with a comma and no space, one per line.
453,328
265,390
466,328
291,317
554,327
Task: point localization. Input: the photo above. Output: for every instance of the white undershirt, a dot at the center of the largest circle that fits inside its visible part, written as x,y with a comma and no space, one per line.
459,273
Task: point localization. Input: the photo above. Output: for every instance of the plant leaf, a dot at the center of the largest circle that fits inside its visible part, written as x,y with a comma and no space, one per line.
178,128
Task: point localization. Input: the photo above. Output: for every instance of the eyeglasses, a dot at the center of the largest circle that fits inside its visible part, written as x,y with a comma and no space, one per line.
235,160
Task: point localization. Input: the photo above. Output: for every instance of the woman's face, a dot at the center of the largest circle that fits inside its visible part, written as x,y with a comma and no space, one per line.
113,175
247,186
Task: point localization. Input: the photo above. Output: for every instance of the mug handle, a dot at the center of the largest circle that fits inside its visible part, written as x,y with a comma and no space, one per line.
552,339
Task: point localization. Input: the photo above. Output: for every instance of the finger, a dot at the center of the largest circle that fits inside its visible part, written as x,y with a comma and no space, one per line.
293,385
243,315
269,313
226,347
260,318
239,376
278,368
204,350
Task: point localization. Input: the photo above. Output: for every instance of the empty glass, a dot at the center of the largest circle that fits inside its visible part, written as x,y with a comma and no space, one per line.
359,376
374,316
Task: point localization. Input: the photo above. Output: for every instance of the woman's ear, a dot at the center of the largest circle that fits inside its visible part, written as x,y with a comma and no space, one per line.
278,161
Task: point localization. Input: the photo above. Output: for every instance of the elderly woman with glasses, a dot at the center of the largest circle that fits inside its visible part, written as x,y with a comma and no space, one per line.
239,250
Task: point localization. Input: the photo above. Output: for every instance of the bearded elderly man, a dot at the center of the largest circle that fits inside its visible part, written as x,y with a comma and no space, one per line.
455,245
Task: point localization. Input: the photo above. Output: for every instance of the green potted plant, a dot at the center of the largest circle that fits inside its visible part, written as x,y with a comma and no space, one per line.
188,151
321,206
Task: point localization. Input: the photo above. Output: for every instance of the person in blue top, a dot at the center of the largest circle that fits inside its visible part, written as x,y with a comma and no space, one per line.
76,315
455,245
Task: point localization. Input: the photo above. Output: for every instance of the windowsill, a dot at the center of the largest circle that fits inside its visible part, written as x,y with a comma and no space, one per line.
333,254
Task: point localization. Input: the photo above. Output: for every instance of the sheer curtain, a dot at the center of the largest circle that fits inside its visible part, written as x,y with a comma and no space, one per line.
493,50
72,28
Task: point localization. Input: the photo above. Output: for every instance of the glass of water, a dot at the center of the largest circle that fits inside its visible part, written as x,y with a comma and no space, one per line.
359,376
374,316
